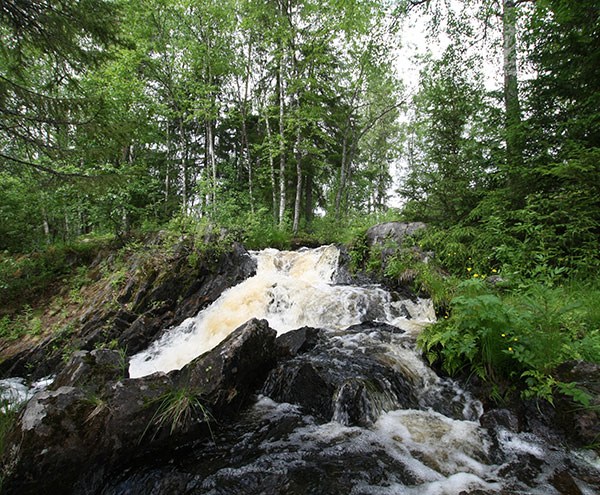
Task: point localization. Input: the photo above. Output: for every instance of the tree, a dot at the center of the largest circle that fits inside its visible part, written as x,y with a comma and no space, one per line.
46,47
449,149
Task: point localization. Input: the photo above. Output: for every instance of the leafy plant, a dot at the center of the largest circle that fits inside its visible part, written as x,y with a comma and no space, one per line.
524,336
475,336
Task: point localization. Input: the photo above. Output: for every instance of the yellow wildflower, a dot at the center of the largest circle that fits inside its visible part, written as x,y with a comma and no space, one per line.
494,270
503,335
469,269
510,349
476,275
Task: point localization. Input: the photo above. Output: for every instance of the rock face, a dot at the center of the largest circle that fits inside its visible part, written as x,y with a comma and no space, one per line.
74,435
153,297
379,244
395,232
581,425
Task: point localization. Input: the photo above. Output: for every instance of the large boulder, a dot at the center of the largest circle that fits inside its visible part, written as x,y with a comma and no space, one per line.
331,383
392,232
367,259
93,421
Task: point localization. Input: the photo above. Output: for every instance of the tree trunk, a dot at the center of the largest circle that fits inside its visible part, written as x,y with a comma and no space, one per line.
514,152
282,162
272,168
343,177
184,171
212,163
308,197
298,199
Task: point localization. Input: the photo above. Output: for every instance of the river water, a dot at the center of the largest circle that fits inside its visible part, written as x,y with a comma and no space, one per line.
291,289
358,413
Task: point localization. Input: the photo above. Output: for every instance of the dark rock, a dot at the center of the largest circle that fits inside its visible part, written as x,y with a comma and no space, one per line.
298,341
143,331
580,424
92,368
345,275
304,383
353,405
495,419
382,241
564,483
228,375
156,299
586,375
329,382
369,326
526,469
75,435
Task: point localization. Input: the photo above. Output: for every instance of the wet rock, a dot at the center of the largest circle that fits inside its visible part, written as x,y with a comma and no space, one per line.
565,484
495,419
298,341
526,469
330,381
352,405
304,383
369,326
75,435
228,375
143,331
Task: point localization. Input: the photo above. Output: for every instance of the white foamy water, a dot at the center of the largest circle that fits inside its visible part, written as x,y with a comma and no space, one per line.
16,391
291,289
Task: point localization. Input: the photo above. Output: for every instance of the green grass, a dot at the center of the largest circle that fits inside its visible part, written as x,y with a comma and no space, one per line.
176,410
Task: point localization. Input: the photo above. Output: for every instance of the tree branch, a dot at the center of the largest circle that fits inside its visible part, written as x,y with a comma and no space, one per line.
47,170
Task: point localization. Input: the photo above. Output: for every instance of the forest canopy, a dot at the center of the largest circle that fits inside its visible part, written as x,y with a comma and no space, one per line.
285,115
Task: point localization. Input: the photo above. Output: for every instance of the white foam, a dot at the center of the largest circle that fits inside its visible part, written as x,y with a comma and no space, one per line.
291,289
16,391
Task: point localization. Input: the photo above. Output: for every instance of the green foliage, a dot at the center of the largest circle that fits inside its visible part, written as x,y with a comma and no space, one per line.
476,336
522,335
23,278
24,323
411,265
8,417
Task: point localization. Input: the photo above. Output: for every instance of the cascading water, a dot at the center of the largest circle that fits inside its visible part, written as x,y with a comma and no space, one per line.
358,413
291,289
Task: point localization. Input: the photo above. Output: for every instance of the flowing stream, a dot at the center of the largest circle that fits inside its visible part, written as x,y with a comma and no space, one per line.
360,413
291,289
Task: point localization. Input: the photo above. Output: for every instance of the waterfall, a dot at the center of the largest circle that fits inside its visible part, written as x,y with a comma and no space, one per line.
291,289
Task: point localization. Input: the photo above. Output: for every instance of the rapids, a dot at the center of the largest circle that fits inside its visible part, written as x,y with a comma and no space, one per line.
358,412
291,289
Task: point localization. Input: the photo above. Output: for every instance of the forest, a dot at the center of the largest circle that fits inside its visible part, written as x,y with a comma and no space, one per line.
283,122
